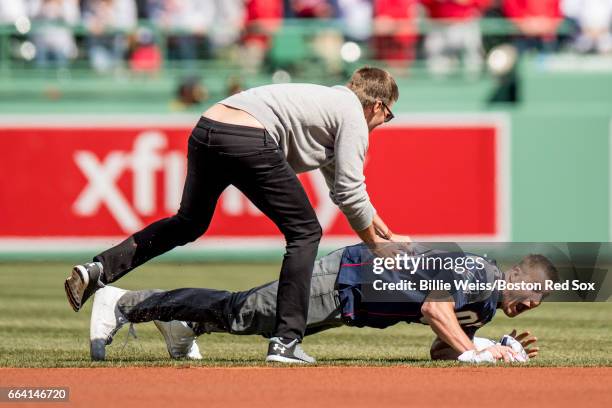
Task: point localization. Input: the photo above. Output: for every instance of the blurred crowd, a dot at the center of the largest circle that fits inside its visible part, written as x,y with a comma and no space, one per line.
113,32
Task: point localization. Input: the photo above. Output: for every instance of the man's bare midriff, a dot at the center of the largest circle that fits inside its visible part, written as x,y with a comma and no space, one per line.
232,116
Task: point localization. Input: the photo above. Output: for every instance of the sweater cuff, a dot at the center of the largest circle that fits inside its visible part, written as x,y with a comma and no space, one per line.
362,219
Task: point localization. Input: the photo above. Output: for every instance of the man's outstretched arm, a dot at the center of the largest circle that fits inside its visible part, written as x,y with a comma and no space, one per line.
440,315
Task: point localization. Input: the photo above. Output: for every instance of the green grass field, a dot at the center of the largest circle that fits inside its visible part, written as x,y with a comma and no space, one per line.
38,328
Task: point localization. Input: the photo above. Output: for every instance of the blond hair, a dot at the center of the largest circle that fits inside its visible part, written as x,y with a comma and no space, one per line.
371,84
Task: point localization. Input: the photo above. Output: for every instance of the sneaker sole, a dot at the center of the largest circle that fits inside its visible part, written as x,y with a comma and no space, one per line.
286,360
76,283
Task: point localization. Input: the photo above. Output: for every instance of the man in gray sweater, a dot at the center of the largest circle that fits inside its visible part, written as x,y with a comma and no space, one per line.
258,140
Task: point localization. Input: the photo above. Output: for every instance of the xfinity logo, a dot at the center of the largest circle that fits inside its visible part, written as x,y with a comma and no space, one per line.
149,157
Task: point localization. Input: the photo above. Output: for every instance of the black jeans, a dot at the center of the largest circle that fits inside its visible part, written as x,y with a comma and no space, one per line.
248,158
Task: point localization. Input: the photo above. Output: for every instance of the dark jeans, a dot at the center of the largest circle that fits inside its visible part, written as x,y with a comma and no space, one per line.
248,158
251,311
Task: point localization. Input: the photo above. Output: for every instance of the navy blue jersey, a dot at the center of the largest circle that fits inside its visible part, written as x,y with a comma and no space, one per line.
362,305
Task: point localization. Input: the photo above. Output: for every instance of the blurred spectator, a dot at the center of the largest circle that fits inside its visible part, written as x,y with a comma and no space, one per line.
108,22
320,44
229,20
53,38
395,31
189,21
310,9
189,93
11,10
594,19
356,17
502,63
537,20
234,85
262,19
146,56
142,9
326,47
455,34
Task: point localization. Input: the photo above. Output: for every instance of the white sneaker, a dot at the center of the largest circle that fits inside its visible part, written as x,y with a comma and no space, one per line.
180,339
106,320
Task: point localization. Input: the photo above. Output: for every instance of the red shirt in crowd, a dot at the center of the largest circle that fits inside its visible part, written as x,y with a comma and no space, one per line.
532,8
146,58
311,8
395,9
262,18
535,18
456,9
395,29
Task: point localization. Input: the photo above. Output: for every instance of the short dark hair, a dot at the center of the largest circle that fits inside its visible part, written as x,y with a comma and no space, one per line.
371,84
536,261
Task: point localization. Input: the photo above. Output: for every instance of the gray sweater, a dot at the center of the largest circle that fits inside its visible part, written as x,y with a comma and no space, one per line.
317,127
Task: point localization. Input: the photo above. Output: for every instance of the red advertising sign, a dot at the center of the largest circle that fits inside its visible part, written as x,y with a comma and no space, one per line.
436,177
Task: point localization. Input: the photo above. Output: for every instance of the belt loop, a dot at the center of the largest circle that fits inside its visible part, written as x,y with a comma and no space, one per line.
265,138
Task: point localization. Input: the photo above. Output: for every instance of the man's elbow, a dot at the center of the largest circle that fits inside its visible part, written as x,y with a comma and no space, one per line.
437,309
429,310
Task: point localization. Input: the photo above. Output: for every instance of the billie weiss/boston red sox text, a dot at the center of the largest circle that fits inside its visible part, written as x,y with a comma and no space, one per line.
458,265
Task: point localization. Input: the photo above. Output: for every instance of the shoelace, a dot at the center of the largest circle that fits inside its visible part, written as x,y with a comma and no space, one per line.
132,332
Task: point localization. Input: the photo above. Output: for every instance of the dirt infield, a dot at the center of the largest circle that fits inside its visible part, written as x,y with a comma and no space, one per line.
319,387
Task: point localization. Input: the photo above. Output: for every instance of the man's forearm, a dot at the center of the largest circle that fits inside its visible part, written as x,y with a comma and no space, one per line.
369,235
376,232
441,317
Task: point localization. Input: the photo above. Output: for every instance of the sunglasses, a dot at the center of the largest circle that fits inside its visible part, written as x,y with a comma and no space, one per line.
389,115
